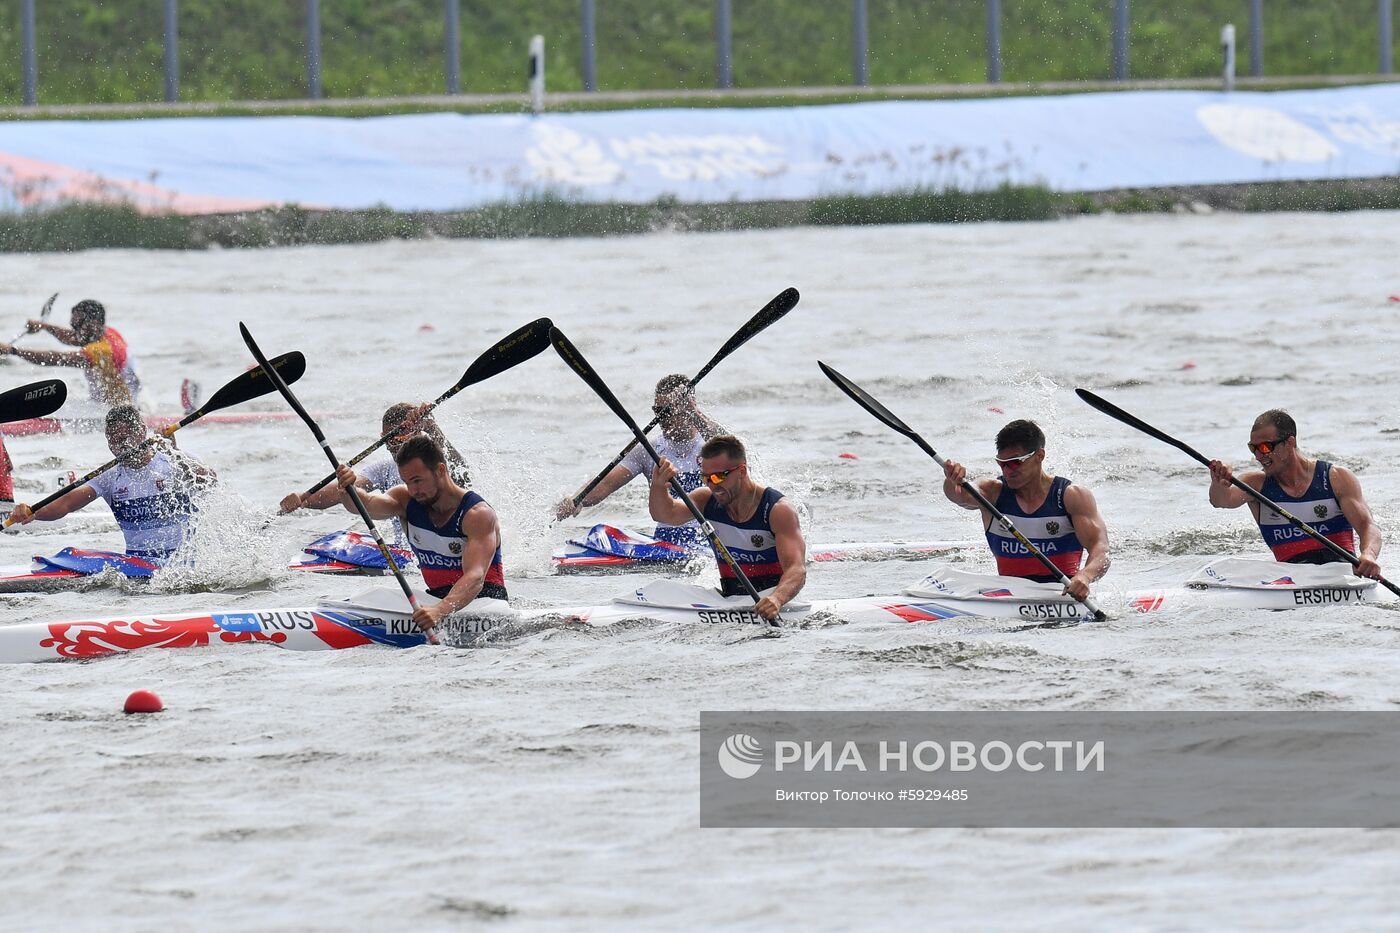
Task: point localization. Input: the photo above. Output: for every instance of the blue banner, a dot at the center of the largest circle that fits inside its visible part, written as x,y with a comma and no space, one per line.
444,161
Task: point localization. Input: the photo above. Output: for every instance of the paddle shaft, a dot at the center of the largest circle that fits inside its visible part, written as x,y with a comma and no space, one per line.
1006,523
320,436
1133,421
885,416
705,526
511,350
781,304
632,444
43,316
241,388
570,355
359,457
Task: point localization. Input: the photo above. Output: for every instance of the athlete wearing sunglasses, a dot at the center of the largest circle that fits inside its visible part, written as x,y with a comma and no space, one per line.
1059,517
755,523
407,420
683,431
1326,496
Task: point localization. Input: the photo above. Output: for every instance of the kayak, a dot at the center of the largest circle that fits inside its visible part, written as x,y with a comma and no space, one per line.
346,553
380,616
73,568
349,553
373,618
614,549
1249,583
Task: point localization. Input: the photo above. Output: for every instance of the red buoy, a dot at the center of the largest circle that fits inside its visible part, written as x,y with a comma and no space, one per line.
143,701
848,456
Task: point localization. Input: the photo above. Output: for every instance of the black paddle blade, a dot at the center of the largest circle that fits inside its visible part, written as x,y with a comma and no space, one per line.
48,307
1113,411
569,354
784,302
32,401
252,384
866,401
512,350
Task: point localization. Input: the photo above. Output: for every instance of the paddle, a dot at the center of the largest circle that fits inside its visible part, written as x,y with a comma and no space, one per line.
866,401
242,388
1113,411
570,355
784,302
32,401
512,350
286,391
43,316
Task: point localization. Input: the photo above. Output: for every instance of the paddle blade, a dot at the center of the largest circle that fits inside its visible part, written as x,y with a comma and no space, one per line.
512,350
32,401
1113,411
253,383
48,307
570,355
866,401
784,302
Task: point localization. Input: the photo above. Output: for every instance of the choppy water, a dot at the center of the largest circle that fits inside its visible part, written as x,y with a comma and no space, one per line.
552,780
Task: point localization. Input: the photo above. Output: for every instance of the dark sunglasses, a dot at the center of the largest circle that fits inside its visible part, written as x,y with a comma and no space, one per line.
717,478
1267,447
1014,462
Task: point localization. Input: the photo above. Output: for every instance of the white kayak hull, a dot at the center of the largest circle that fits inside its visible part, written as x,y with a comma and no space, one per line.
380,617
374,619
1249,583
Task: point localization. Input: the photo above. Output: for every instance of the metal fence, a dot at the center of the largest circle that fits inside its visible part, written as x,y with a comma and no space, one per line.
1118,51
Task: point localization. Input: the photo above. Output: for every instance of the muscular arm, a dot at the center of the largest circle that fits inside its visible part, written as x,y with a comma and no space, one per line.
390,504
479,525
52,357
1348,491
1093,534
67,503
792,553
1223,493
666,510
328,496
62,334
617,477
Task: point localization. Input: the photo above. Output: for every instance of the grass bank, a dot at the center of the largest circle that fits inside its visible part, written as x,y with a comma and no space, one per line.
93,226
110,51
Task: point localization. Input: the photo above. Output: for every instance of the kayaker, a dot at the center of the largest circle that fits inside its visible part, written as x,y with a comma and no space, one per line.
758,527
103,357
1326,496
683,430
1059,517
407,419
151,491
453,532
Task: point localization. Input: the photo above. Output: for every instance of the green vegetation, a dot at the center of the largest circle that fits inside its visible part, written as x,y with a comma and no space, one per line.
110,51
94,226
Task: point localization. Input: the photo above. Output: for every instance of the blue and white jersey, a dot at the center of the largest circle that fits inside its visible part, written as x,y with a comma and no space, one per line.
752,544
151,508
686,457
1318,507
382,474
